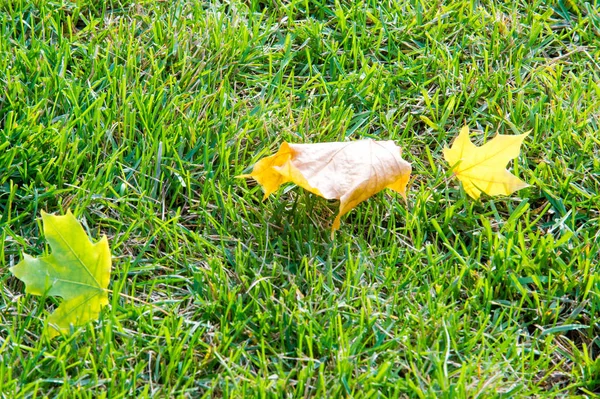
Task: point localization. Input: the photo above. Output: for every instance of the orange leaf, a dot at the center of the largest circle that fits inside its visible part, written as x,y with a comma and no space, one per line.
483,169
351,172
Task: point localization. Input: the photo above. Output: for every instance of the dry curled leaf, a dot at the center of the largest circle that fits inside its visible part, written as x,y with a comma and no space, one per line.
77,270
351,172
483,169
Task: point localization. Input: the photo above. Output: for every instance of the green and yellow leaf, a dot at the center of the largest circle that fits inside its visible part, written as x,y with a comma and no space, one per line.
77,270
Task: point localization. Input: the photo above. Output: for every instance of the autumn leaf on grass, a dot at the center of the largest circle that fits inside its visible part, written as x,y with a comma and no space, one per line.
351,172
483,169
76,270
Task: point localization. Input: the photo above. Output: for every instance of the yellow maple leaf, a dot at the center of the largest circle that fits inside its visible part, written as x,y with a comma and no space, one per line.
483,169
351,171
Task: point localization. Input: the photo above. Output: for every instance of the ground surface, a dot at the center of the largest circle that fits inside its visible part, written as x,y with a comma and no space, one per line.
137,116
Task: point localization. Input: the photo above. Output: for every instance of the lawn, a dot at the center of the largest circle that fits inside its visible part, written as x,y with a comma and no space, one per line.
138,115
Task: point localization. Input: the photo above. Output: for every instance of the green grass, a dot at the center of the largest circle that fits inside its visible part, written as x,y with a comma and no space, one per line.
137,116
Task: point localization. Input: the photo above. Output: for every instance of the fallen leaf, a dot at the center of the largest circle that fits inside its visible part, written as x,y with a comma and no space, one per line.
76,270
351,172
483,169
